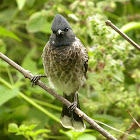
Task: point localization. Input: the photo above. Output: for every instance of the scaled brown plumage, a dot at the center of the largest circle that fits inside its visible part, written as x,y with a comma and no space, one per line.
64,65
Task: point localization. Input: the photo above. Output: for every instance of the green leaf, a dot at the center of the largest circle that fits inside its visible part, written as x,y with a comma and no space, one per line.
38,23
86,137
20,4
30,3
20,133
13,128
42,131
107,118
28,63
23,127
118,75
67,133
74,17
32,126
2,46
7,94
129,26
5,32
7,15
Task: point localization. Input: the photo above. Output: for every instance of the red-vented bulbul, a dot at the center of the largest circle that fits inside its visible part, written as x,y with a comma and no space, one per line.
65,61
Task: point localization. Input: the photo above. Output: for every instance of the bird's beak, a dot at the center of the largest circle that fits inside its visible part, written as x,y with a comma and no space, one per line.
60,32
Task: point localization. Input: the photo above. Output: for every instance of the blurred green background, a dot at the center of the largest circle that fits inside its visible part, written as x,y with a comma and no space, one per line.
113,78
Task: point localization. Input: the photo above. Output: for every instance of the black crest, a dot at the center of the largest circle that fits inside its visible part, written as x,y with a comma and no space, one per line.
60,22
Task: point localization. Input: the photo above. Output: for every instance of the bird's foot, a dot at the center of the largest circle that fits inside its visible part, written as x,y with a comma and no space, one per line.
72,106
35,79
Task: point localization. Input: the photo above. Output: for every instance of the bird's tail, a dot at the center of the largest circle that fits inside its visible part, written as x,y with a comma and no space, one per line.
69,119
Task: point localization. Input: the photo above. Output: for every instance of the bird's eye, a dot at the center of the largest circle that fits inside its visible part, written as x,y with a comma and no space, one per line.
66,29
54,32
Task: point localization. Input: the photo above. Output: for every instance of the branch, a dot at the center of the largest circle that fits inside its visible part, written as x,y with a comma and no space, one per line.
133,119
109,23
124,136
28,75
133,125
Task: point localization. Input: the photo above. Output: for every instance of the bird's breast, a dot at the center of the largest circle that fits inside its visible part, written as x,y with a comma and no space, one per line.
63,58
64,66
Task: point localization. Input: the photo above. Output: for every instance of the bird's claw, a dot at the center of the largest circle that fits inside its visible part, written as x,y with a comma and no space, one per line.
72,106
35,79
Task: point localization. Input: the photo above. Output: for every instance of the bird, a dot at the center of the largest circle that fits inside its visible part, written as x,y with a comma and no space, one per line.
65,61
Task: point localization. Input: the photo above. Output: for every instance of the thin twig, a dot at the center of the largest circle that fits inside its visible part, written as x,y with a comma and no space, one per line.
109,23
125,133
28,75
124,136
133,118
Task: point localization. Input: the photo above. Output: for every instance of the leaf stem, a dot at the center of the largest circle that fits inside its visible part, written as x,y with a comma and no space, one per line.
38,107
21,95
10,76
47,104
39,41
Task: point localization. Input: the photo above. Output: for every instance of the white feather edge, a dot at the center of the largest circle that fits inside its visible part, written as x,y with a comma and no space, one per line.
75,125
66,121
78,126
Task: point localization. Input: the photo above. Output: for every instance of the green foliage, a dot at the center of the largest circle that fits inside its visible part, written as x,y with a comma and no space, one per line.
113,78
20,4
38,22
7,94
86,137
4,32
26,131
87,134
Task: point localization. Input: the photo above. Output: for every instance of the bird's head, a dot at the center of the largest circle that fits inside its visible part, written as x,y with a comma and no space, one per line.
60,26
62,34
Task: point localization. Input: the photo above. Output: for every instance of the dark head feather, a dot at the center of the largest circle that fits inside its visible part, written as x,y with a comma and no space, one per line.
67,37
60,22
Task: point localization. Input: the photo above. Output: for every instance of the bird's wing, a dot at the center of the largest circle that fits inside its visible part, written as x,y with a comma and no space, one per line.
44,50
85,61
85,56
